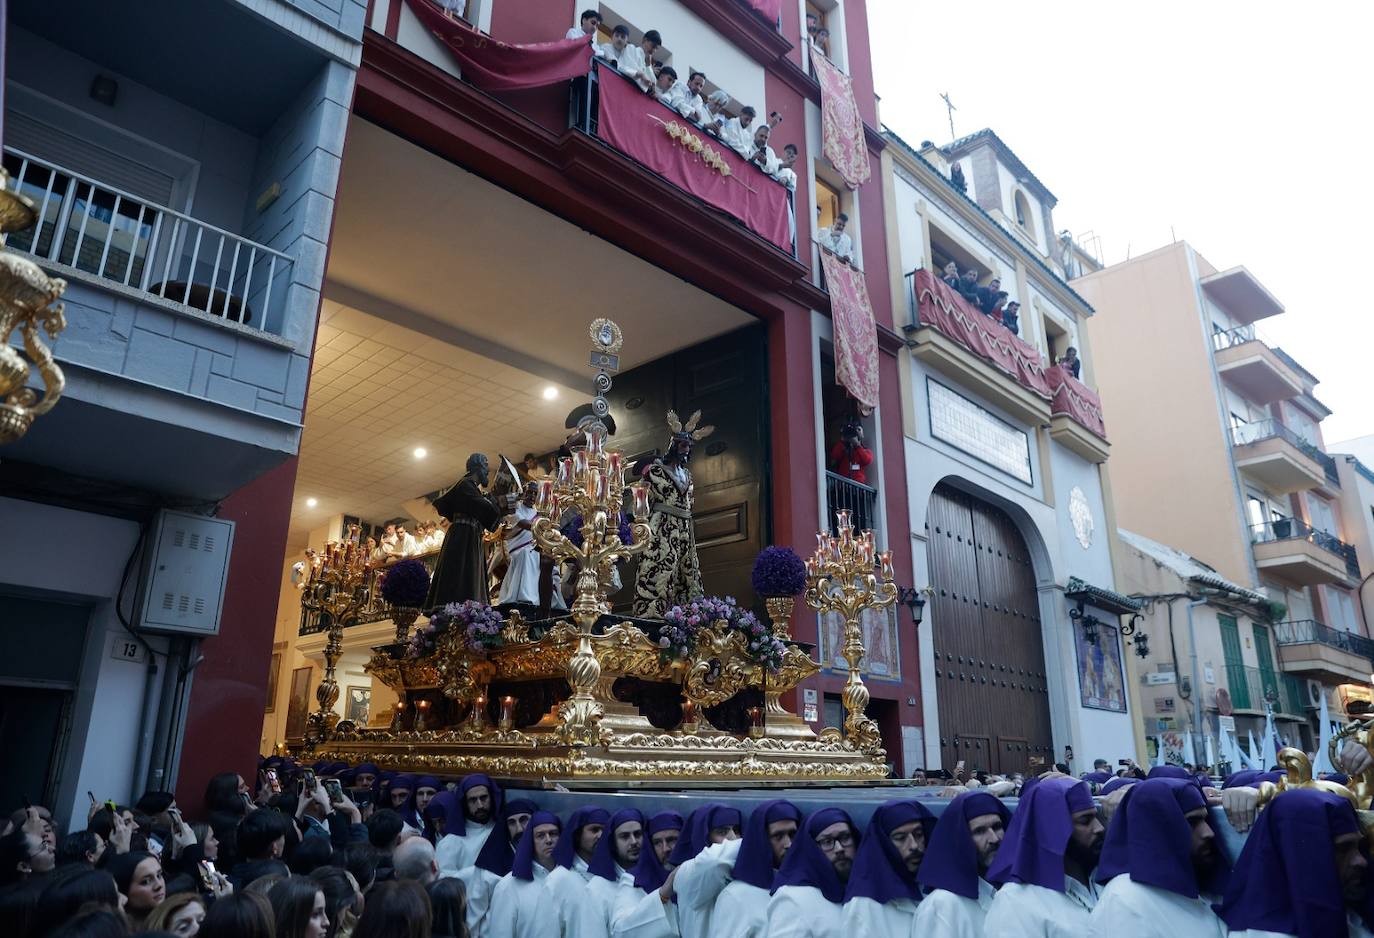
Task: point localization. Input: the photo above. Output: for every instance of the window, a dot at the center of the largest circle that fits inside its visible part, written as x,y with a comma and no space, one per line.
1340,607
1023,212
1320,515
827,204
1235,665
1268,678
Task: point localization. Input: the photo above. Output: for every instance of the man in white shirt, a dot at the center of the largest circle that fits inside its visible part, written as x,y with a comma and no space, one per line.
702,860
611,868
765,159
635,61
835,240
520,906
882,894
737,132
694,107
669,91
494,861
567,882
1045,865
962,847
465,836
808,891
588,23
1159,863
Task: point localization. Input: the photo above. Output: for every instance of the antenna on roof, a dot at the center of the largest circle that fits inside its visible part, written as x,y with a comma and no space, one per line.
944,96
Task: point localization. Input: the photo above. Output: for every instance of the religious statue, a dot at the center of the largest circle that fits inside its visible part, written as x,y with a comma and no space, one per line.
520,582
669,572
461,571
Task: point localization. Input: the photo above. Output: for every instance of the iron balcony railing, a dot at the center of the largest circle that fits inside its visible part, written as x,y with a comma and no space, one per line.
1304,631
1295,529
1251,687
1270,428
861,501
375,610
126,240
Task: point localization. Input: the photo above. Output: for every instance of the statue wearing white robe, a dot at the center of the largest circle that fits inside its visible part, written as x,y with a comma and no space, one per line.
521,582
522,908
804,912
951,915
1022,911
1126,907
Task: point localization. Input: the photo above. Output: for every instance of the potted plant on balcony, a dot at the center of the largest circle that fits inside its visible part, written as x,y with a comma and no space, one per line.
1283,527
404,588
779,576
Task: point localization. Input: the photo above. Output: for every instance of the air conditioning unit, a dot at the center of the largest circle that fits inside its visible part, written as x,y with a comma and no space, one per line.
1315,691
185,568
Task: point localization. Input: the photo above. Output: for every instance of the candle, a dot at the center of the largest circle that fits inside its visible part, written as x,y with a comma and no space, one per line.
689,713
507,712
579,463
756,716
543,499
602,487
615,467
885,560
842,520
641,500
564,472
596,442
810,567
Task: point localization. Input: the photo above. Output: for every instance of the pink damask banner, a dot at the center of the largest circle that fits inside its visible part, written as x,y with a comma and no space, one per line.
675,148
503,66
1075,399
946,311
856,335
842,129
770,10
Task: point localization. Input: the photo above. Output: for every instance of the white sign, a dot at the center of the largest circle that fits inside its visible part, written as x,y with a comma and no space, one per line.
1164,677
1209,675
810,713
1228,724
808,695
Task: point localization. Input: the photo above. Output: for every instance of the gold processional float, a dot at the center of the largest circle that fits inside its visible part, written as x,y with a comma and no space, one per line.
591,695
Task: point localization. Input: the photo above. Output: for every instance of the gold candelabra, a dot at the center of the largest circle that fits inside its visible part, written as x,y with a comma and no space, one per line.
589,483
28,303
337,589
840,578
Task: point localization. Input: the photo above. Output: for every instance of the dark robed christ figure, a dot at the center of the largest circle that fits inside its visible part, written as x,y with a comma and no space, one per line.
461,571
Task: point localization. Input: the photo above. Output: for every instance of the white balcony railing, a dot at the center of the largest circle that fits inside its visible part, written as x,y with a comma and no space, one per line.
148,247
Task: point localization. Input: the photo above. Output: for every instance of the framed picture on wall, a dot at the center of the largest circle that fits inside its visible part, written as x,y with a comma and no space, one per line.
1101,678
298,706
358,704
273,673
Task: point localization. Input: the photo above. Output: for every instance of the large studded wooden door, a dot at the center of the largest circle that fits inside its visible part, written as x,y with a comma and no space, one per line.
990,683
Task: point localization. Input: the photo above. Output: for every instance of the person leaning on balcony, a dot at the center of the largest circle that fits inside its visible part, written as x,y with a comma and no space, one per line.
715,107
951,275
1010,317
988,294
737,134
849,457
694,106
999,302
835,240
766,160
614,50
586,28
637,62
669,91
968,287
1071,362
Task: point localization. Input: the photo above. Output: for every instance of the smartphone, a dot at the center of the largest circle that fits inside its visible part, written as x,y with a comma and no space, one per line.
271,776
1123,761
309,779
154,845
362,797
207,873
335,789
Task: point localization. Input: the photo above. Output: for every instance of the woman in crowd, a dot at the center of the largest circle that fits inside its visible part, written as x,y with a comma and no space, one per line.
398,909
67,892
343,900
448,902
139,877
241,915
180,914
299,908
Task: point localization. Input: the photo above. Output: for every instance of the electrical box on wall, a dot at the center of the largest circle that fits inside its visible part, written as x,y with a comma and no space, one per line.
185,568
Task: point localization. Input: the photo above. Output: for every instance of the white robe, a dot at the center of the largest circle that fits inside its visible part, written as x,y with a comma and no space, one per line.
567,888
738,137
1022,911
840,244
951,915
864,916
804,912
641,914
455,853
522,908
1126,907
675,97
740,912
478,884
1355,928
694,109
599,904
521,582
634,64
698,884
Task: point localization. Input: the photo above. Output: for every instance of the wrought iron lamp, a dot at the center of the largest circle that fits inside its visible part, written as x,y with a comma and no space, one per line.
914,598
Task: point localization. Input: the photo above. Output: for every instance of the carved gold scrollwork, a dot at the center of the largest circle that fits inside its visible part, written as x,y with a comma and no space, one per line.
719,667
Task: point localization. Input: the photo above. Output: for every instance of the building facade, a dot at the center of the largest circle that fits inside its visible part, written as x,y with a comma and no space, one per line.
457,300
1021,655
1237,476
191,227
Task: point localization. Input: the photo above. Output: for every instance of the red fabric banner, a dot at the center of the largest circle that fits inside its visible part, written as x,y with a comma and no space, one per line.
856,335
503,66
842,129
946,311
1075,399
770,10
675,148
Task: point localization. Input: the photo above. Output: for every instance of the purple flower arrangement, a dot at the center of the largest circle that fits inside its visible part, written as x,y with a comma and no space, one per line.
406,584
682,623
778,571
572,530
480,623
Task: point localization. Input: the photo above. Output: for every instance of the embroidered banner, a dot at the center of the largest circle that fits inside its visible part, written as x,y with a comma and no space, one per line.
503,66
842,129
770,10
856,335
946,311
639,126
1075,399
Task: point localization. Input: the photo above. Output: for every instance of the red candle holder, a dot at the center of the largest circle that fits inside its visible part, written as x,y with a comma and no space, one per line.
690,718
507,713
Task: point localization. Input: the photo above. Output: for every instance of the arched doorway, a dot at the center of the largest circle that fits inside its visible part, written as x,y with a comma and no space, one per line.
990,686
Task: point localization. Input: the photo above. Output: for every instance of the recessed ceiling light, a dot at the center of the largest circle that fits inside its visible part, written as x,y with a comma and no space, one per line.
550,393
311,502
421,452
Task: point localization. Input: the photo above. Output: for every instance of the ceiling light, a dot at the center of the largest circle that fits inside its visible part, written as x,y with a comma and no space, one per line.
421,452
311,502
550,393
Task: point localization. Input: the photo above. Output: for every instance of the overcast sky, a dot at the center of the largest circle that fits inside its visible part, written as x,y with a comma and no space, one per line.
1241,128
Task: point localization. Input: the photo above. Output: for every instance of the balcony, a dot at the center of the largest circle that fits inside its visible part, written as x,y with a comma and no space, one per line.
1291,549
1076,416
1251,687
1310,648
980,353
860,500
1279,460
1255,368
375,610
1241,294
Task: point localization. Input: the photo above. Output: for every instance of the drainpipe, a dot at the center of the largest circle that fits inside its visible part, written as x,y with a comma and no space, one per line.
147,730
1197,678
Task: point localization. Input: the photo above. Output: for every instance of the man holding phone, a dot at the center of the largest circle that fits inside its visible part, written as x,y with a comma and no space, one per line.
323,811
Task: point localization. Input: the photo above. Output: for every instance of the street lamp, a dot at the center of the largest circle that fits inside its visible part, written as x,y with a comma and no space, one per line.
914,598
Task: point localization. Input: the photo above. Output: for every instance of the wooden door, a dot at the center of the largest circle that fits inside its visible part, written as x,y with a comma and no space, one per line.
989,652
